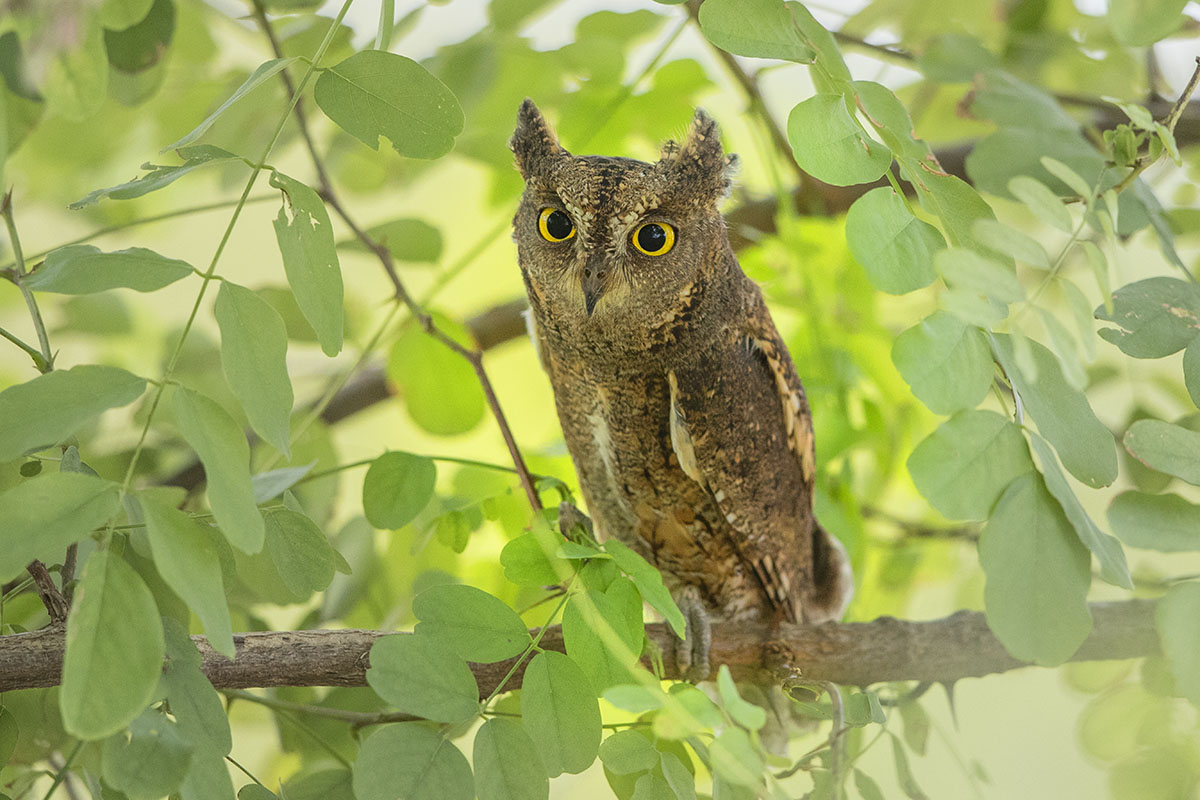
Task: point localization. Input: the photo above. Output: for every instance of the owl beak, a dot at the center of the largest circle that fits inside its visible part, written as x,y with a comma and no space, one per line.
593,286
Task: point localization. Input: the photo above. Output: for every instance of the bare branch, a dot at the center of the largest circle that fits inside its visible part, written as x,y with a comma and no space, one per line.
848,654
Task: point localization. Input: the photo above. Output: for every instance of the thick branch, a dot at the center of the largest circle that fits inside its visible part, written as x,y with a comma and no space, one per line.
852,654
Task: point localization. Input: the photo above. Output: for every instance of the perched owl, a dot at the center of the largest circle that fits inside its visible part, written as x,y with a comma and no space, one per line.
678,400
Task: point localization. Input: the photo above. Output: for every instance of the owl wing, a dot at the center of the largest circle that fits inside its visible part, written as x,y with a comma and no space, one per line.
740,426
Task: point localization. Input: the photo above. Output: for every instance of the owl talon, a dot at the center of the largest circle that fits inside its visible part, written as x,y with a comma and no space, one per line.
692,653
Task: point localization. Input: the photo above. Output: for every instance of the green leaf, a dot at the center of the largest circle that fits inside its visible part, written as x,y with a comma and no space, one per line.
159,176
301,553
439,387
41,516
114,649
530,560
649,582
507,764
628,752
890,119
1038,575
195,704
1137,23
947,363
1007,241
1175,618
397,486
272,483
864,708
225,454
121,14
1191,370
1165,447
48,409
10,733
904,775
832,146
603,633
83,269
963,467
418,675
1107,549
305,238
1164,522
736,759
254,357
1042,202
373,94
743,713
755,28
894,248
135,48
867,788
411,240
474,624
966,269
1062,413
184,556
678,777
560,713
413,762
261,75
75,82
1157,317
148,762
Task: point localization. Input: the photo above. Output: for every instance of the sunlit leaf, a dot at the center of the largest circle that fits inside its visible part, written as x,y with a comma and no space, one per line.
593,625
947,363
758,28
419,675
1038,574
830,145
440,389
1143,22
114,650
1165,447
474,624
396,488
83,269
48,409
894,248
225,454
373,94
253,355
628,752
560,713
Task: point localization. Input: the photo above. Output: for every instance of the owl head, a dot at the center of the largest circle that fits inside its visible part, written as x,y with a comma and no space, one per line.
613,243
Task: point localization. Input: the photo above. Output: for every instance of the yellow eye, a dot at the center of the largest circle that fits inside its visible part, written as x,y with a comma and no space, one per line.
654,238
555,226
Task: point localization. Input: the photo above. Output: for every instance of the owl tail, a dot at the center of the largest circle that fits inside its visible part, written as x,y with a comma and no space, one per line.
833,582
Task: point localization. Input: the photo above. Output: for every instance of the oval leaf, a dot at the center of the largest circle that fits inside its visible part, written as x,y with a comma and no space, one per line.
507,765
418,675
411,761
830,145
151,761
560,713
439,387
474,624
225,454
373,94
894,248
947,363
46,410
310,260
301,553
963,467
1165,447
1163,522
649,582
185,557
40,517
1038,575
603,632
254,357
396,488
83,269
1157,317
114,651
755,28
1176,617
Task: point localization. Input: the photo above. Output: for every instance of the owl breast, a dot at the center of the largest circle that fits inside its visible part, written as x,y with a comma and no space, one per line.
626,440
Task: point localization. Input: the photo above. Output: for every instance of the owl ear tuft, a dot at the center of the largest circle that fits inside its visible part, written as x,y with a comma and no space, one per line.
533,142
699,165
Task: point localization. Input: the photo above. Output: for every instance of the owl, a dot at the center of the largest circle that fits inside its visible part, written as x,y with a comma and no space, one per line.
678,400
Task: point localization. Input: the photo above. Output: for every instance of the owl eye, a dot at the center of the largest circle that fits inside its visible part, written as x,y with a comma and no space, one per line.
654,238
555,226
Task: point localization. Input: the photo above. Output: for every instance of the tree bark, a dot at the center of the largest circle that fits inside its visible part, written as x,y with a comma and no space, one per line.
850,654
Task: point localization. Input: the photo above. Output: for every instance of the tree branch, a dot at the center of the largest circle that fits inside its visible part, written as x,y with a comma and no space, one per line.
849,654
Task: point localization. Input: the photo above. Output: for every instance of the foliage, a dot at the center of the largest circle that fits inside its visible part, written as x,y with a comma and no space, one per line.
944,327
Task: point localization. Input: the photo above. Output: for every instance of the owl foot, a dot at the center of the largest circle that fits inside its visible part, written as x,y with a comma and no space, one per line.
692,653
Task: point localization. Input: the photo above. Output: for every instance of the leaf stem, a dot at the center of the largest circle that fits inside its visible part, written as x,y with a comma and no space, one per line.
18,277
532,646
61,773
212,266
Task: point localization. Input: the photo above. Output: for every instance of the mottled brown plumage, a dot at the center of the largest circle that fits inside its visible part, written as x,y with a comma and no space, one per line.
678,399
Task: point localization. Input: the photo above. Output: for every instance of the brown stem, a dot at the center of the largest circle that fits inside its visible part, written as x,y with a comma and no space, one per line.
56,605
848,654
474,356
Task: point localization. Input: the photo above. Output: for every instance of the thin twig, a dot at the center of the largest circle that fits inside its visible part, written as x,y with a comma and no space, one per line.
18,277
358,719
473,355
1171,120
56,605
